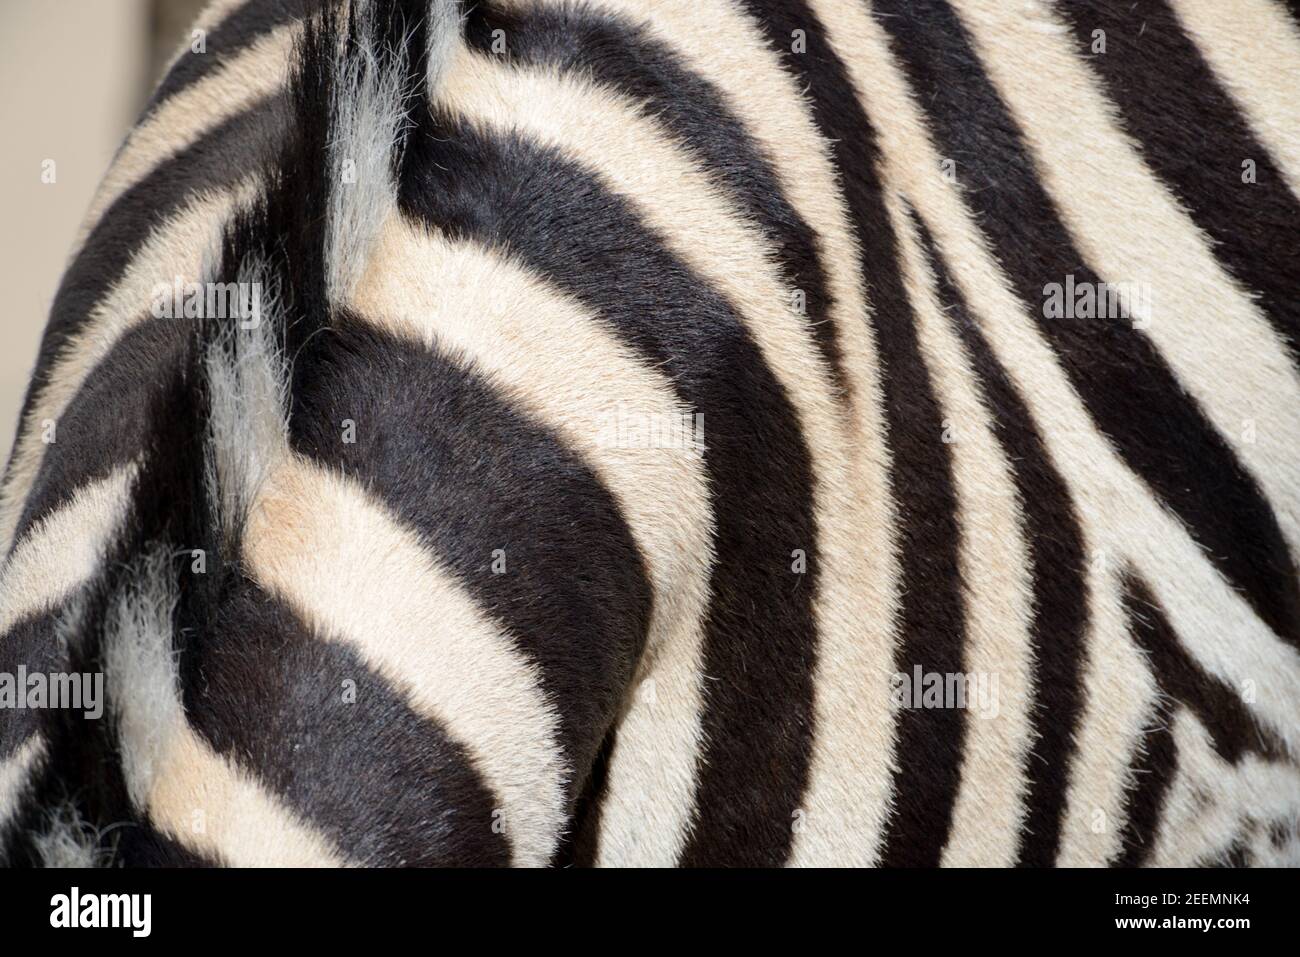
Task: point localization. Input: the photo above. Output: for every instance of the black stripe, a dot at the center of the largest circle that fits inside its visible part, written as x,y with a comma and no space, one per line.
621,54
1134,398
758,654
167,499
1233,731
31,643
1193,136
1293,8
581,846
1237,854
230,37
1154,771
1155,767
932,616
258,685
1056,559
388,786
128,382
471,476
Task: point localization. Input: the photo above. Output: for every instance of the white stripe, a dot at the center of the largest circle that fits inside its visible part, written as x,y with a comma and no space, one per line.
194,795
997,589
257,72
213,15
1118,705
1217,626
1253,47
64,549
412,623
1212,803
60,554
68,841
366,119
555,360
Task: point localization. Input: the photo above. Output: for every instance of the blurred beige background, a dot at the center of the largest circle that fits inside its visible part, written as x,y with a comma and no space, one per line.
73,77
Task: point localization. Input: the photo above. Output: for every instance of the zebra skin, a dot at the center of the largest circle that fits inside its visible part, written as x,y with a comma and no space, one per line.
691,432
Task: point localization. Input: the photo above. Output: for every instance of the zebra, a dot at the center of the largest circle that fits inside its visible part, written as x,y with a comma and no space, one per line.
699,432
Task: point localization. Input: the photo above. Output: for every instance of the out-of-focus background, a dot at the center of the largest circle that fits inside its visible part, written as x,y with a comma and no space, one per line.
73,77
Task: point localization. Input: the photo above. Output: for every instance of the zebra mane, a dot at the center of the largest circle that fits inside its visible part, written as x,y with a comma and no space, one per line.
374,81
361,70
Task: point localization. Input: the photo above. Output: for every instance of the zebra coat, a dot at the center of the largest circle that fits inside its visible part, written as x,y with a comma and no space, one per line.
675,432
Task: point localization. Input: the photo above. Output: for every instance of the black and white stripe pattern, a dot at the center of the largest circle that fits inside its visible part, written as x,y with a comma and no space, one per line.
444,619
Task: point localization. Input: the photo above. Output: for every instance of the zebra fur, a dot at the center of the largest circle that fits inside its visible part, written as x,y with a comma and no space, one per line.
371,585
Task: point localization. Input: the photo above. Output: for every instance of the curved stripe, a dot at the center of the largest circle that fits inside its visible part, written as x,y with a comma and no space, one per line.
335,741
146,237
1263,83
1219,708
584,43
630,154
1153,769
193,795
411,622
1121,702
731,53
998,655
512,514
157,232
581,846
131,380
1156,762
558,364
558,221
226,37
1215,622
1118,518
78,757
710,78
931,744
931,614
211,15
1211,803
1193,136
227,157
65,549
210,806
236,86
